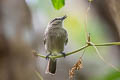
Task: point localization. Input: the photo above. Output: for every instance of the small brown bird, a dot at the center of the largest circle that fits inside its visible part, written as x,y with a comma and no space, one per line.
55,38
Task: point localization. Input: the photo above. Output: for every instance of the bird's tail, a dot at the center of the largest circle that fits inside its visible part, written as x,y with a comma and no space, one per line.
51,67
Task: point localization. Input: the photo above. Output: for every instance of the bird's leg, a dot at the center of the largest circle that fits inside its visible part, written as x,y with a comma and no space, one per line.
47,57
63,54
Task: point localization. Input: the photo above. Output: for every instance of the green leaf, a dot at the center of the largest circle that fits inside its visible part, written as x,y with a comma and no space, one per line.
113,76
58,4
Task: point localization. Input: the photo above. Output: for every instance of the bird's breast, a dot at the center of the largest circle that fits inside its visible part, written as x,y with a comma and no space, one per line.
55,40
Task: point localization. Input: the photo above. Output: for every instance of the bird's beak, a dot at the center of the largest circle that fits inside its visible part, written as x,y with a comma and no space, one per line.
64,17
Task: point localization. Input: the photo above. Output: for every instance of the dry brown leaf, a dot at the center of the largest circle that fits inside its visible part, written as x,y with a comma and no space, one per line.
76,66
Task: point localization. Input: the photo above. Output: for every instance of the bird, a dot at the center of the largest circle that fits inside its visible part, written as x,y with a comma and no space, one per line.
55,38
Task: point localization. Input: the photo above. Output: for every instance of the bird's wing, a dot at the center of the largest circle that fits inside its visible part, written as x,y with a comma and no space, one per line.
66,41
45,35
44,41
45,38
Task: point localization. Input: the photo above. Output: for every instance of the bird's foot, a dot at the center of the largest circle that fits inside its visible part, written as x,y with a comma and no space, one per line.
63,54
47,57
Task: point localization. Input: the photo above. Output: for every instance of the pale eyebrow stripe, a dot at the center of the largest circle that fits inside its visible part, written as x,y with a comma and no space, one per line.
55,19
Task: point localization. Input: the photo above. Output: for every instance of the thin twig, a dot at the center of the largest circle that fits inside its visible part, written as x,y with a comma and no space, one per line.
73,52
86,18
108,44
103,58
38,75
38,54
67,54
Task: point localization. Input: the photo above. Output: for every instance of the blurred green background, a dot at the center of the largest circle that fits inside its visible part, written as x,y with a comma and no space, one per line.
94,68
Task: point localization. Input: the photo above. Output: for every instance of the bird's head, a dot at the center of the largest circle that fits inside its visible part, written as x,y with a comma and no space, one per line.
58,21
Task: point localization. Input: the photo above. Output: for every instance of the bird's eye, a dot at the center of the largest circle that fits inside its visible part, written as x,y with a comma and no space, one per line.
56,23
